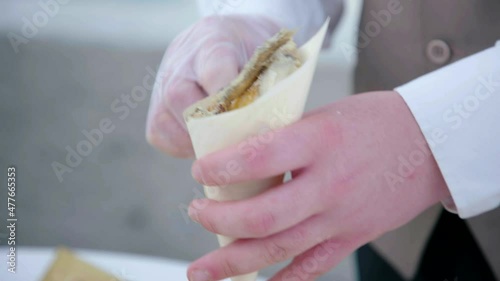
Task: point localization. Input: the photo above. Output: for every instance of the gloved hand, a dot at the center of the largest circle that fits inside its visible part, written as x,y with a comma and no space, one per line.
199,62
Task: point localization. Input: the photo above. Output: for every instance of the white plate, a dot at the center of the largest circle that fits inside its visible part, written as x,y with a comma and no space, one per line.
32,264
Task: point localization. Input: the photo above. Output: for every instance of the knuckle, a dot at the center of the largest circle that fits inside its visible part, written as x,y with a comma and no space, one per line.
329,133
298,236
170,98
208,73
165,134
275,253
318,273
262,156
219,49
173,95
322,268
229,268
259,156
260,224
207,66
309,269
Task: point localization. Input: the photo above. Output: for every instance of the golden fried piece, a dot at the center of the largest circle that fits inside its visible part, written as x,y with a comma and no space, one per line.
67,267
270,63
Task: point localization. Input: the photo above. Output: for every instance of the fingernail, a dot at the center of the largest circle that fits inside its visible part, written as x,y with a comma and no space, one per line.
199,275
193,213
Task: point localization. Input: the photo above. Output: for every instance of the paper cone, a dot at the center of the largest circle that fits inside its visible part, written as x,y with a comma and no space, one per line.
281,106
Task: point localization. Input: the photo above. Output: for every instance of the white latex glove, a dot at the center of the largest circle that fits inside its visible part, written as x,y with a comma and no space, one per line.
199,62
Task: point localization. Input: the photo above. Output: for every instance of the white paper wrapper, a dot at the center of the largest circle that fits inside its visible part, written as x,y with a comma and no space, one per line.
281,106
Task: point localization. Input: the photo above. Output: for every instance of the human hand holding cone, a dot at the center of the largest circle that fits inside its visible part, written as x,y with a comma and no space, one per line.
269,93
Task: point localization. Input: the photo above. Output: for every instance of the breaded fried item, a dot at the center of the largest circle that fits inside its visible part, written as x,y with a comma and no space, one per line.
270,63
67,266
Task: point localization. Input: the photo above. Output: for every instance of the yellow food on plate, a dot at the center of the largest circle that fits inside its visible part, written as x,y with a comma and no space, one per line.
68,267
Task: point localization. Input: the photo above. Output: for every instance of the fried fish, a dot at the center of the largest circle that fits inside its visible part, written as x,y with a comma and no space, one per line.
271,63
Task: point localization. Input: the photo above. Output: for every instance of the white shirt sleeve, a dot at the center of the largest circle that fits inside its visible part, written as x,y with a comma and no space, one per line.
458,110
304,16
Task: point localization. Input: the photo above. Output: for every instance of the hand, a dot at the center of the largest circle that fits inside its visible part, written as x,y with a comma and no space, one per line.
347,189
199,62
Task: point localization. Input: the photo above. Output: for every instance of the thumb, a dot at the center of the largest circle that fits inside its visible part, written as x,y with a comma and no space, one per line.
217,67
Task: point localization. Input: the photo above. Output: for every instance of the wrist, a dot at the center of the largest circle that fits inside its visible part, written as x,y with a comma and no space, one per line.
432,178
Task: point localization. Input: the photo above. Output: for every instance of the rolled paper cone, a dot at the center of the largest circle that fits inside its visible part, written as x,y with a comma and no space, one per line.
282,105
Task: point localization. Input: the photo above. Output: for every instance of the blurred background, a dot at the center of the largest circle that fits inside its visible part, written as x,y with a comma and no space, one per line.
63,80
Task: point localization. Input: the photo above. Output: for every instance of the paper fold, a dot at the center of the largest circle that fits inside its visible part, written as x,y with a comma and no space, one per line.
281,106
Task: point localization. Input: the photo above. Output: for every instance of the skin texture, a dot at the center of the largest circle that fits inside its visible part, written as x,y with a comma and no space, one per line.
347,186
339,197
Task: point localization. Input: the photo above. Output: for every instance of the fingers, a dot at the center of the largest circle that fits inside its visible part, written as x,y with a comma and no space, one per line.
180,95
166,134
261,216
316,261
195,64
165,128
199,62
262,156
245,256
216,65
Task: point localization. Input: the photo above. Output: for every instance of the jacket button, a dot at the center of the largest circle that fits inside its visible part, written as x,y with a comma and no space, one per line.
438,52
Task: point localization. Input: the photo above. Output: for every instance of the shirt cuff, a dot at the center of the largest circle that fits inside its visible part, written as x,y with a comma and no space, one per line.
304,16
458,110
